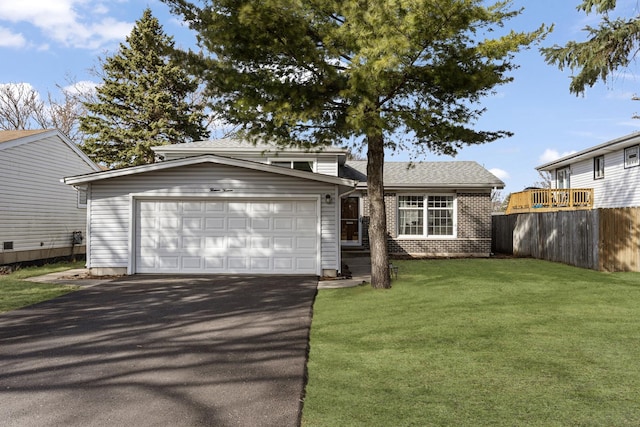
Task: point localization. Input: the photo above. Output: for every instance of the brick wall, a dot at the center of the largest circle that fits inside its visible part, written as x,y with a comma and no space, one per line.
473,232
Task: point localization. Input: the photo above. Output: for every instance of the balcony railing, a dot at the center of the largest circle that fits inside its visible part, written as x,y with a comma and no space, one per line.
550,199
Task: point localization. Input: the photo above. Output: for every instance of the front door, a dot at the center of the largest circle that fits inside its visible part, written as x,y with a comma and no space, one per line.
350,221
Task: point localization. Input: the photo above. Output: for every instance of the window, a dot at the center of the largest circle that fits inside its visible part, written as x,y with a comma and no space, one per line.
631,157
436,211
563,178
82,197
301,165
440,216
598,167
411,215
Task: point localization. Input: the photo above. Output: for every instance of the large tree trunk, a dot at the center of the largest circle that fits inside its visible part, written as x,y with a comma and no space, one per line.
380,278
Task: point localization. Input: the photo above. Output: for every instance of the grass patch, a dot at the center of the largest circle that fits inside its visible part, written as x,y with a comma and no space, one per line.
16,292
482,342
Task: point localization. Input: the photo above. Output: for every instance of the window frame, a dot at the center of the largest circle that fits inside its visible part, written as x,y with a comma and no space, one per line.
635,154
280,163
598,167
81,198
425,209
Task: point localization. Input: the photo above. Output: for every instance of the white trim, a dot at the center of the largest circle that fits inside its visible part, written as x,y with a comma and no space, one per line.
208,158
131,265
88,229
425,210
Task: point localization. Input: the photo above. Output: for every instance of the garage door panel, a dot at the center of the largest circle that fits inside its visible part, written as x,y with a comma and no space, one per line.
192,262
227,236
168,262
237,224
283,224
305,243
169,223
191,242
259,242
261,224
282,264
216,223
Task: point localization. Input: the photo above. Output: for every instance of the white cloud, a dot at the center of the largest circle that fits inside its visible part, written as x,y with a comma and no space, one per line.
502,174
81,87
550,155
73,23
10,39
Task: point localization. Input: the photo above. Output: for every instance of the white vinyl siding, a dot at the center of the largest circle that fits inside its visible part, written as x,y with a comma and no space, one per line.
327,165
37,211
619,188
111,203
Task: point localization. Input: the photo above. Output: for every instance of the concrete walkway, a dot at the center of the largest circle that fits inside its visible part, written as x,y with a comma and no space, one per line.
360,266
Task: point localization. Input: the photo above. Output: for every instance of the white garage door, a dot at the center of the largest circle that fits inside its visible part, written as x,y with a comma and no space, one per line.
272,237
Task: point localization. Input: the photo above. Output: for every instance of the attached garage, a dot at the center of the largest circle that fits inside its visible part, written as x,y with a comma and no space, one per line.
212,215
227,236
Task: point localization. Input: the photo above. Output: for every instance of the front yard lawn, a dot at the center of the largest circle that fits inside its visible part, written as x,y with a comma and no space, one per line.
480,342
16,293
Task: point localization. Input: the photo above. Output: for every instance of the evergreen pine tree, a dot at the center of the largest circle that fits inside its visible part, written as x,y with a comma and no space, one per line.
143,101
385,74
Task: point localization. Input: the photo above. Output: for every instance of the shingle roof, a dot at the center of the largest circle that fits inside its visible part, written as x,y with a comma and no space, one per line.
10,135
231,144
426,174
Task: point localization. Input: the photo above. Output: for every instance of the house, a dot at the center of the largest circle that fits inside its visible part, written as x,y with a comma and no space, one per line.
39,215
610,169
227,206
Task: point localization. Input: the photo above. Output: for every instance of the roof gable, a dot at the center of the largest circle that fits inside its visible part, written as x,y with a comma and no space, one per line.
466,174
7,136
15,138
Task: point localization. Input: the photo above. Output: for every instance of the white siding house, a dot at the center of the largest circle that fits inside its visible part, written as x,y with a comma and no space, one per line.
212,214
39,213
612,169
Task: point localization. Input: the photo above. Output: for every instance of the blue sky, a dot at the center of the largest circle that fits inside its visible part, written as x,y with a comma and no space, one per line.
47,42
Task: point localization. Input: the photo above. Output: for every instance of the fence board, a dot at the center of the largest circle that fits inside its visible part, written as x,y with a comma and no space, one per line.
564,236
619,240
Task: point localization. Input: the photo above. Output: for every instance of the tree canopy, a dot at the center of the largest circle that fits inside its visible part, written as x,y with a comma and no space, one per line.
613,44
388,74
143,101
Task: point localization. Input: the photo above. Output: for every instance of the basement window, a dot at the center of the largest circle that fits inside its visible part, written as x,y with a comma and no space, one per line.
7,246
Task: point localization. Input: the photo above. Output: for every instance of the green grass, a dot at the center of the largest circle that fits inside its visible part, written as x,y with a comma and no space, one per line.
16,292
484,342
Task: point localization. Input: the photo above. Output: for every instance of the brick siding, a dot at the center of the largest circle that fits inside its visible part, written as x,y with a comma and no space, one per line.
474,229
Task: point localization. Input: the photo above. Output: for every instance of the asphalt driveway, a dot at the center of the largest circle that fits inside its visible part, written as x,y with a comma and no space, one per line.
159,351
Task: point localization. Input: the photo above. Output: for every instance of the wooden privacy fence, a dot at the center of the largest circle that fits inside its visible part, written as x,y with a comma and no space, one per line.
602,239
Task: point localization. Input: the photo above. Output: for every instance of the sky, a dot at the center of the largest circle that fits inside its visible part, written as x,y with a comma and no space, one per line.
49,43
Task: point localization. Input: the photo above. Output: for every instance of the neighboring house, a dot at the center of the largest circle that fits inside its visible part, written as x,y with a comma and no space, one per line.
612,169
227,206
38,213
